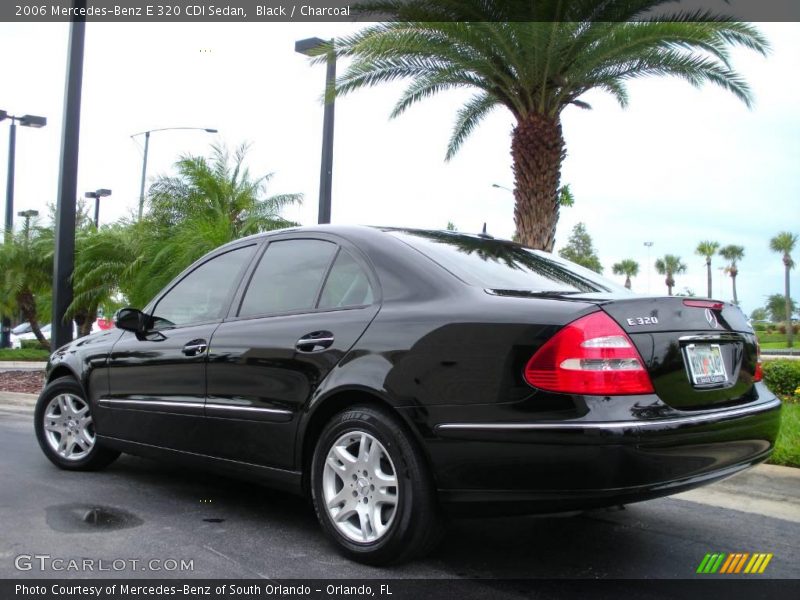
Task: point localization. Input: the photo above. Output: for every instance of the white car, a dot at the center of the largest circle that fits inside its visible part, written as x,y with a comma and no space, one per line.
23,332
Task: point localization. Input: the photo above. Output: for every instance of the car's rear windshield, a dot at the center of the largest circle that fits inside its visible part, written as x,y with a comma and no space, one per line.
501,265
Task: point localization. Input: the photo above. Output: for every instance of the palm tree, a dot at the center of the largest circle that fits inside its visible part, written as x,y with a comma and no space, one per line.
208,202
670,266
784,243
26,269
535,59
707,249
627,267
733,254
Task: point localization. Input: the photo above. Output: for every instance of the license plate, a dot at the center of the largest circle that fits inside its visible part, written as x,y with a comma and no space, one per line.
705,364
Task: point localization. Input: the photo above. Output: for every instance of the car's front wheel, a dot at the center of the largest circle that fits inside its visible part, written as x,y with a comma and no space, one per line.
65,428
371,489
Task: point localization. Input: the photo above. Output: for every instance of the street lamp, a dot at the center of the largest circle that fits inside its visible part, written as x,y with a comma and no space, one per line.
25,121
147,146
648,245
97,194
28,215
314,47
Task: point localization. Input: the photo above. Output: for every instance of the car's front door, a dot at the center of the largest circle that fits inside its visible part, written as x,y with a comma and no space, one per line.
307,302
158,378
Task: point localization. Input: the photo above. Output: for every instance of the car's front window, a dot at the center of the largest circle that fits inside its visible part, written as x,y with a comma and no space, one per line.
203,294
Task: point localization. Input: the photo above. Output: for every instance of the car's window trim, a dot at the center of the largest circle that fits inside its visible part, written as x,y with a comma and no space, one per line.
151,307
342,243
237,314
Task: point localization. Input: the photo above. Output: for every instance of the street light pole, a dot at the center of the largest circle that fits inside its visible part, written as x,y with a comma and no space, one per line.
97,194
648,245
27,215
144,173
147,147
310,47
25,121
12,142
64,256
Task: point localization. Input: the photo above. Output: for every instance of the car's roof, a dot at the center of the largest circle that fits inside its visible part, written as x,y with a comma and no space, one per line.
366,233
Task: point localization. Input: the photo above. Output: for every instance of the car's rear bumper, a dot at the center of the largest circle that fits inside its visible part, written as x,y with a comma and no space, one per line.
550,466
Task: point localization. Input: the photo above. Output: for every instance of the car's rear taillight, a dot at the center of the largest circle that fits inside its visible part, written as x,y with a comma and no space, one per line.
592,355
759,375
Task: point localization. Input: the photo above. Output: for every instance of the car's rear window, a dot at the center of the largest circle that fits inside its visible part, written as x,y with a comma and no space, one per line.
500,265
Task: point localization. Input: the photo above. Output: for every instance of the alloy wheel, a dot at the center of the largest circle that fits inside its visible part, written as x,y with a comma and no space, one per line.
68,427
360,487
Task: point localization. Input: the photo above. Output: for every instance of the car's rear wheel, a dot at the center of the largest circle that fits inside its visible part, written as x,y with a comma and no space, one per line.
65,428
371,488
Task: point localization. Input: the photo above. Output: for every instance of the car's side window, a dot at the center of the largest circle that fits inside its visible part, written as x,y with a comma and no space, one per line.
288,277
203,294
347,284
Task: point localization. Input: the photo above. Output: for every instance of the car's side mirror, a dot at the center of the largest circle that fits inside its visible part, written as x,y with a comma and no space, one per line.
131,319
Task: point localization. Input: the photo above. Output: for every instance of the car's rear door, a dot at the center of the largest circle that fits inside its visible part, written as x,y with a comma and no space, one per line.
308,300
158,379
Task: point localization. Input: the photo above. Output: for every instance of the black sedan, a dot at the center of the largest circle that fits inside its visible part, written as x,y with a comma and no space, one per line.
394,375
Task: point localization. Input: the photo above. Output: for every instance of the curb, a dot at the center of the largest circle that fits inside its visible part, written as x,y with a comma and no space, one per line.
22,365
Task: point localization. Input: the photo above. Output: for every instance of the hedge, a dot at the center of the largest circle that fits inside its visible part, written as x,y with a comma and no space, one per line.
782,376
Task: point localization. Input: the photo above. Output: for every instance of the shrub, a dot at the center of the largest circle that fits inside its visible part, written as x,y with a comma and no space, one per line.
782,376
782,329
31,345
760,326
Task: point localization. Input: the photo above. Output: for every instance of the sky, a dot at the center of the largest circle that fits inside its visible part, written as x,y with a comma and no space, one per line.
678,166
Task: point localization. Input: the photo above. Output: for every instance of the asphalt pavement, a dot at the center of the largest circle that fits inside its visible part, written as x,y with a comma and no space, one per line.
141,510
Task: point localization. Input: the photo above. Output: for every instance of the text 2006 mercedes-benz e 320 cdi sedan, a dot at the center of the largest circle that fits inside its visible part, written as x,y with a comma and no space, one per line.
394,374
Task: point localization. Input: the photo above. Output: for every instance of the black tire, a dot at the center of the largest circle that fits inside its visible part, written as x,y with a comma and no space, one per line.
97,457
415,526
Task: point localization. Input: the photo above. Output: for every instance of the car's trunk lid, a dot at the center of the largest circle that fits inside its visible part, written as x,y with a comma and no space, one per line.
700,354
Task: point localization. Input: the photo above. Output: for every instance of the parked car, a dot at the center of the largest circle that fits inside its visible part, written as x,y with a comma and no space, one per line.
27,334
395,374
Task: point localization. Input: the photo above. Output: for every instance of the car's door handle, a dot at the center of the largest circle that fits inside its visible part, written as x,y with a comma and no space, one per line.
195,347
315,341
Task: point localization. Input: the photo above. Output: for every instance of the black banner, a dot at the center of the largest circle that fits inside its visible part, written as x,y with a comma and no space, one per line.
253,11
731,588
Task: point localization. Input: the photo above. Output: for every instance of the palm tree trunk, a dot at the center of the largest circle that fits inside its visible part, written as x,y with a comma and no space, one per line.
733,282
708,275
628,281
670,282
27,305
537,149
787,262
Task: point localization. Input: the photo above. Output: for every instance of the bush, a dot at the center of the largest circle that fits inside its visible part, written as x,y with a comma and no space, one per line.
759,326
31,345
782,329
782,376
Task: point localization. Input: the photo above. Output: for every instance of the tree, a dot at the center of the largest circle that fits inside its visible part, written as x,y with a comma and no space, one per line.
209,202
535,59
733,254
707,249
784,244
759,314
627,267
670,266
778,308
580,250
451,226
26,269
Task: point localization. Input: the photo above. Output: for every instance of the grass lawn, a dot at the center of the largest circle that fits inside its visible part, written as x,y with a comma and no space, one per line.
787,448
24,354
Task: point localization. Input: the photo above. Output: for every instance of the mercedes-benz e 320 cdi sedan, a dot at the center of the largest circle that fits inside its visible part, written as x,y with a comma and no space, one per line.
394,375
